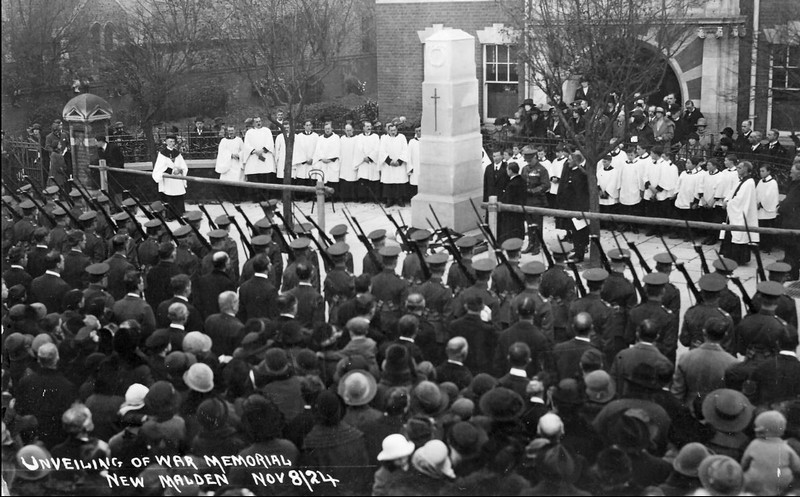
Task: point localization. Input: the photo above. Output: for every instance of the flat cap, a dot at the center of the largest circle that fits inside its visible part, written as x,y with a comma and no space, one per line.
619,255
712,282
771,288
264,224
389,251
484,265
339,230
193,216
725,264
595,274
128,202
183,230
533,268
261,240
512,245
377,235
466,242
98,268
438,259
300,243
338,249
664,258
655,279
421,235
217,234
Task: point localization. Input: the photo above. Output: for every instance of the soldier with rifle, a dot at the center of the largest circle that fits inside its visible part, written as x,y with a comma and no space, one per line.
672,297
119,264
438,298
483,271
620,293
595,306
543,317
505,284
196,242
653,309
764,329
389,289
729,301
339,282
302,253
23,228
415,269
787,310
558,287
372,263
147,251
461,276
229,245
187,261
707,308
339,234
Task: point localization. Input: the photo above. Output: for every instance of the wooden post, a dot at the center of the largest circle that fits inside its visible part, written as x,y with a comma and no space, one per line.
103,175
321,204
492,208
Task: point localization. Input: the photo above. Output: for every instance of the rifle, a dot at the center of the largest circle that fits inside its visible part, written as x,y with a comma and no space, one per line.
326,257
451,247
353,222
699,250
36,189
69,214
96,204
74,182
166,227
545,249
246,219
242,236
736,281
174,214
285,247
426,271
211,223
629,263
41,209
578,281
141,207
62,191
286,225
14,214
754,247
635,249
497,250
135,223
682,268
323,236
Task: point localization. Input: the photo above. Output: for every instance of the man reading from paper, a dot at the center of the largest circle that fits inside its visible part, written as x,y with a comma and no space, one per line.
170,161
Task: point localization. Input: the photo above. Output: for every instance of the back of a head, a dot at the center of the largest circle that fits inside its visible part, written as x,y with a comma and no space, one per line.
474,303
51,260
362,283
582,324
647,331
303,271
527,307
408,325
220,260
260,263
179,283
166,250
457,348
358,326
227,301
131,280
715,329
286,303
177,313
519,355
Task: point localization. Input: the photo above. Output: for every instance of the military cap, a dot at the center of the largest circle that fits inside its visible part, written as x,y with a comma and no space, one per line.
664,258
87,216
512,245
119,216
264,224
619,255
561,249
51,190
421,235
260,240
778,267
27,204
655,279
157,206
270,204
193,216
102,198
438,259
389,251
533,268
158,339
484,265
712,282
300,243
58,212
26,187
153,223
466,242
217,234
595,274
726,265
222,220
339,230
771,288
8,199
377,235
36,126
338,249
128,202
303,228
98,268
182,230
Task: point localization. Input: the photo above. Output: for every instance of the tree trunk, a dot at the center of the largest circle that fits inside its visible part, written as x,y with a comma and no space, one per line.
594,205
149,141
286,197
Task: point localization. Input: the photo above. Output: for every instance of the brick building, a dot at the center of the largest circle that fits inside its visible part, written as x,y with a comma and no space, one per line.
712,67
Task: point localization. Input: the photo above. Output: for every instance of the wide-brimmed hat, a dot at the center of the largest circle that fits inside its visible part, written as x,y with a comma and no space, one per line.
721,475
357,387
502,404
394,447
727,410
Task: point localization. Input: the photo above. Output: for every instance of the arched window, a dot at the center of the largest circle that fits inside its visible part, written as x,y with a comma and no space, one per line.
95,35
108,37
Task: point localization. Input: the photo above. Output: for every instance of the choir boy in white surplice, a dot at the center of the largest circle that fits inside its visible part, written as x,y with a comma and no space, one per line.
327,156
170,161
280,154
348,174
369,173
259,154
229,161
608,184
690,189
393,158
305,144
413,164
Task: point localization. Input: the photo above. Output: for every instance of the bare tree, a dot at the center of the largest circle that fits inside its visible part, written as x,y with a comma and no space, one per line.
160,42
621,46
42,43
286,48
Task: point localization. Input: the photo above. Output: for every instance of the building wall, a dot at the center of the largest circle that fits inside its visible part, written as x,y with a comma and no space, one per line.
400,51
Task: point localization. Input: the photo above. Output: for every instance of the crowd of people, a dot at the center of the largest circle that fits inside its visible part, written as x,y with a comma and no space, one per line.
152,353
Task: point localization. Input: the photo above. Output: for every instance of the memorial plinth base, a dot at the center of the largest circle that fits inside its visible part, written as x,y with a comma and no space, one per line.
453,211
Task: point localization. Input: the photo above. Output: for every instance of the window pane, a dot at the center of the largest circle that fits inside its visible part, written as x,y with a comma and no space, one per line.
778,77
785,109
502,72
794,78
513,74
501,100
502,53
491,72
490,55
794,55
778,55
512,53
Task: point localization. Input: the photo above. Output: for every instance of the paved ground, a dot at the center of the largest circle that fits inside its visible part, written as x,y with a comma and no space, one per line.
370,217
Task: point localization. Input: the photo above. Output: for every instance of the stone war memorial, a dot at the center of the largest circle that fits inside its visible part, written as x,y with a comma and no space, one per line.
450,147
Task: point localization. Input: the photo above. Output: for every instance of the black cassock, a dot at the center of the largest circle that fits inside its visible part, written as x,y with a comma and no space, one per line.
512,224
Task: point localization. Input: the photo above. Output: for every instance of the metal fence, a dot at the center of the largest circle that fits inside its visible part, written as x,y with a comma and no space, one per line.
22,158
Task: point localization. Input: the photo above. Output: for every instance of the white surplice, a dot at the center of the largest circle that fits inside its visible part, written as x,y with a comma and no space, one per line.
347,158
176,166
303,152
393,149
328,147
742,207
229,168
413,161
259,140
367,153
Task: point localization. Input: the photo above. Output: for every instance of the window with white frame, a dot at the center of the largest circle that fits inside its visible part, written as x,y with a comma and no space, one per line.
501,82
785,87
